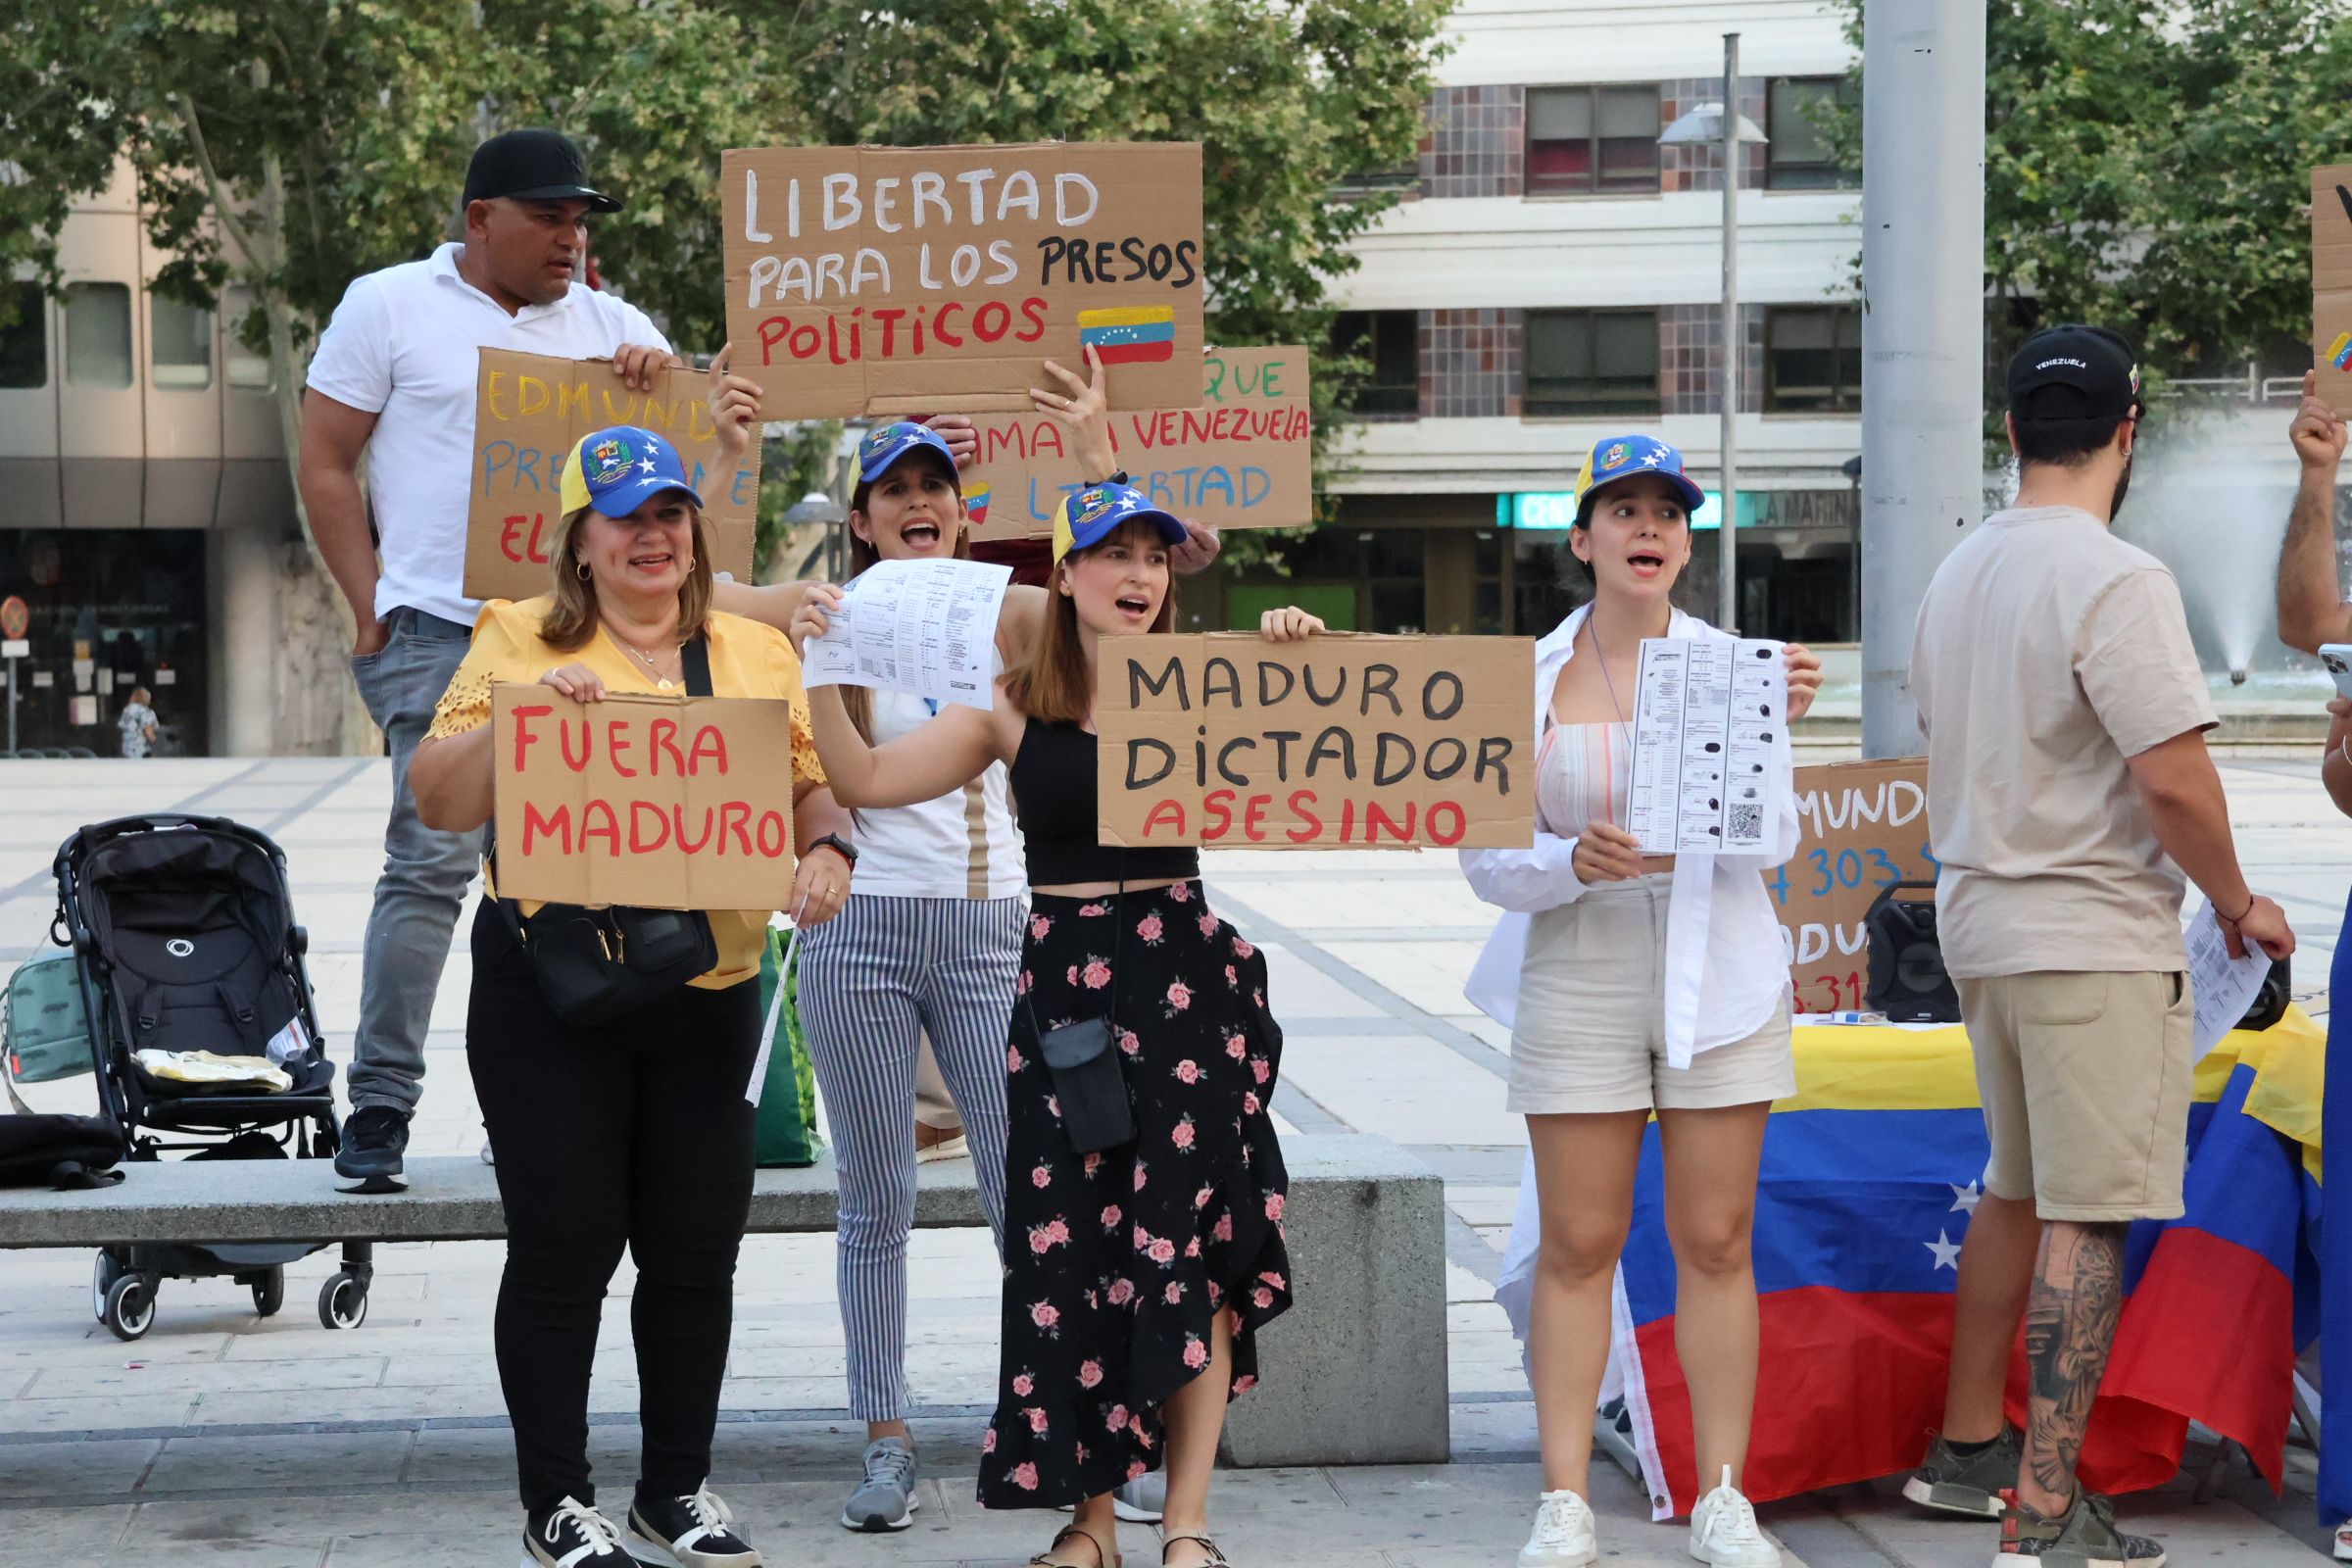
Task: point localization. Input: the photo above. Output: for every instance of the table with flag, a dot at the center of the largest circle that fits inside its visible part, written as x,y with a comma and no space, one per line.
1871,1172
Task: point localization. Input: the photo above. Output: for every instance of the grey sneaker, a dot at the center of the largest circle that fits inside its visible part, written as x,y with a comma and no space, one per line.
885,1498
2084,1536
1970,1484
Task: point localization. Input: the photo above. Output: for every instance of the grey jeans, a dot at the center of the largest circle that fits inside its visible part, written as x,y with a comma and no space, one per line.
425,872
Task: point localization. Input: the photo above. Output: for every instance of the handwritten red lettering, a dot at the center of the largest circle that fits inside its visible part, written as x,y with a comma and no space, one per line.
735,816
1310,826
1172,811
522,729
707,742
639,844
556,828
579,763
597,821
663,737
618,742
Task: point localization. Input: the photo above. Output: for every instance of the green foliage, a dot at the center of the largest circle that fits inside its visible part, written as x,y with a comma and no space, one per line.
2147,167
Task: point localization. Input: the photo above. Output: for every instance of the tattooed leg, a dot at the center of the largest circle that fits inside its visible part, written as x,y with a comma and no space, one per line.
2071,1315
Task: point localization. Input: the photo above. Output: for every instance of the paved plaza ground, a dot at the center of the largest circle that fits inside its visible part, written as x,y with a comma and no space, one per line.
222,1437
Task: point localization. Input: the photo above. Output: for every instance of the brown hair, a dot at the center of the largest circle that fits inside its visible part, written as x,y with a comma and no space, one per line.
1057,684
858,701
571,619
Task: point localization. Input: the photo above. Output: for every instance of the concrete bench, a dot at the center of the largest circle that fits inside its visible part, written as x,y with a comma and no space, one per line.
1355,1373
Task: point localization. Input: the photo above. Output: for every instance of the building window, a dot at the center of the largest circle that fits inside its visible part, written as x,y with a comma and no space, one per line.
183,344
242,368
98,335
1581,363
1813,358
1390,341
1798,156
1591,140
25,341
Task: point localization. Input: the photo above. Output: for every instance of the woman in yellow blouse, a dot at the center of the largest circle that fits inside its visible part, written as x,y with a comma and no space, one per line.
634,1132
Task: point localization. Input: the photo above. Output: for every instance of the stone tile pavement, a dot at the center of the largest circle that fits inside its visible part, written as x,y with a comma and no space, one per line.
222,1437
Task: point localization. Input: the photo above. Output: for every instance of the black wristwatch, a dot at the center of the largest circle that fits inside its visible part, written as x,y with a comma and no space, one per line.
842,846
1119,478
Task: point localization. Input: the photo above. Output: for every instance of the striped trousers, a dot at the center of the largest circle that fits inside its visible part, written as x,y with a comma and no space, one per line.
873,981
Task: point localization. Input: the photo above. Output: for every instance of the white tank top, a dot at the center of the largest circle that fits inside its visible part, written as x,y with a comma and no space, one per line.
964,845
1584,773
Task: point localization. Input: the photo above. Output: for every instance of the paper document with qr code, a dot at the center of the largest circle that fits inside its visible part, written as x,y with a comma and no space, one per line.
1704,724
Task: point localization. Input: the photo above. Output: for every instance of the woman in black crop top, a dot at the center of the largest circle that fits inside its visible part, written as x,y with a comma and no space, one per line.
1135,1279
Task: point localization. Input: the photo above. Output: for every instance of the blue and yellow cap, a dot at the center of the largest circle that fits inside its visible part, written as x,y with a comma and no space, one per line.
619,469
1088,517
884,447
1624,456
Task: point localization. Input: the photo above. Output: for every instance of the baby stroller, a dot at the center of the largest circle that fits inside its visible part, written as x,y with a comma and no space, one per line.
183,935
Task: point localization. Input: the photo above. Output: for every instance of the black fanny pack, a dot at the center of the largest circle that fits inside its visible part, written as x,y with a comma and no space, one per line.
1089,1083
595,964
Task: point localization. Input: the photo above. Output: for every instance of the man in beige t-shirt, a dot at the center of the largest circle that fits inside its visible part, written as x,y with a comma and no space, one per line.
2069,790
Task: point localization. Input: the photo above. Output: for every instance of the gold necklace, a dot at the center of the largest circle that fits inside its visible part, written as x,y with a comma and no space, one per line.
653,667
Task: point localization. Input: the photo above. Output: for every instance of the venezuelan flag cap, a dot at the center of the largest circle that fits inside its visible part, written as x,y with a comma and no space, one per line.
619,469
1093,515
1626,457
882,448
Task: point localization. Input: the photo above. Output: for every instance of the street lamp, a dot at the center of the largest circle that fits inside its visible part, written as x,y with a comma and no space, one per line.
1697,127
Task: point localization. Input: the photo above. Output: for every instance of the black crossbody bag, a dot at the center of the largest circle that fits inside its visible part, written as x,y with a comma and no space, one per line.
1089,1083
596,965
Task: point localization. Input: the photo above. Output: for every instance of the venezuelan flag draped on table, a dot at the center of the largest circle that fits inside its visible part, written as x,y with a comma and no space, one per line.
1869,1176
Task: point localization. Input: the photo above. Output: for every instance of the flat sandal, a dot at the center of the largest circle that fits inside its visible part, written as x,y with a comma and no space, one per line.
1107,1557
1216,1556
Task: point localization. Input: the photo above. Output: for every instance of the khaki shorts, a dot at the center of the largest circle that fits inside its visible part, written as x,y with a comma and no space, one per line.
1592,1023
2084,1078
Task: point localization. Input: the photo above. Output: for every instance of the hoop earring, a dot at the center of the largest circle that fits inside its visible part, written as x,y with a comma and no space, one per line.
689,562
580,565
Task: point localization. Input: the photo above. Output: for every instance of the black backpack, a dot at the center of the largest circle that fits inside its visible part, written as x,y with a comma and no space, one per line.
60,1151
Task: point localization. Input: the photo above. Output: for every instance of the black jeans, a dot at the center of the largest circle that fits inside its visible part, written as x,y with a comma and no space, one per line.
634,1133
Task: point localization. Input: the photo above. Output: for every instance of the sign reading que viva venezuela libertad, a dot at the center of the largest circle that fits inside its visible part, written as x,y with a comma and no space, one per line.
886,281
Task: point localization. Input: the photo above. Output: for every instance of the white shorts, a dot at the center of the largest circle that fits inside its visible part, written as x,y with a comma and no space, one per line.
1591,1022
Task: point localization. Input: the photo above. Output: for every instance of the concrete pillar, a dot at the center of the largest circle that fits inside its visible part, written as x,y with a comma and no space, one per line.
242,602
1923,328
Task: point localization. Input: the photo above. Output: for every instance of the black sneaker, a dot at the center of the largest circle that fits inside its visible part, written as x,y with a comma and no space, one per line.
574,1535
690,1532
374,1137
1972,1483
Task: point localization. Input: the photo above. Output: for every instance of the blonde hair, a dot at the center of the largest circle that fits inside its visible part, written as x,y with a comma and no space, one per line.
571,619
1057,684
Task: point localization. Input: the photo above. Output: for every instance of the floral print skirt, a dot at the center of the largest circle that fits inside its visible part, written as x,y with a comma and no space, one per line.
1116,1263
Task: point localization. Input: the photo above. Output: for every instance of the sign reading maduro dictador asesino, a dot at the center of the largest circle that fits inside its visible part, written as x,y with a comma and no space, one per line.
1229,741
890,281
664,802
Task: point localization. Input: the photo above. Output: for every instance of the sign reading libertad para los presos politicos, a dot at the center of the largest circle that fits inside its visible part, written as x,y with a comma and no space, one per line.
889,282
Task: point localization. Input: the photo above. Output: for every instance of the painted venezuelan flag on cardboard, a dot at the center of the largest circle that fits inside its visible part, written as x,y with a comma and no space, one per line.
976,494
1131,334
1870,1177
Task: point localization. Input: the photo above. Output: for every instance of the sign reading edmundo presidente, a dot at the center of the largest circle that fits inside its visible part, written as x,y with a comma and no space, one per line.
1242,459
530,409
887,281
1229,741
665,802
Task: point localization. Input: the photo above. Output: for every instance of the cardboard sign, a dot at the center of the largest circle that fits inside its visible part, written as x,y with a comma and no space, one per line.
667,802
1861,827
528,411
1244,459
889,282
2331,282
1229,741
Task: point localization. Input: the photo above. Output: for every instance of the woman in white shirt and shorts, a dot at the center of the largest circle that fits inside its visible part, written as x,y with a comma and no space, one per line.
1637,984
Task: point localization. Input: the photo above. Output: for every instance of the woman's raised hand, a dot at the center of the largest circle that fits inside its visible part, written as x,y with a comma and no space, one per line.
960,433
1804,679
1606,852
734,405
577,683
1084,408
1288,624
813,616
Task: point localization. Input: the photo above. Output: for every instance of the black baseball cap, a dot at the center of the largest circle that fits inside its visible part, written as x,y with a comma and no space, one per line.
2074,372
533,165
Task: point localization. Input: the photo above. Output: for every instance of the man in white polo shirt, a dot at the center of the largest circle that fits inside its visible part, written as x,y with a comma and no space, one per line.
394,378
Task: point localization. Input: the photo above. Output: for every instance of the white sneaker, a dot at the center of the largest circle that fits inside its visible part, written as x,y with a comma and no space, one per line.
1563,1534
2343,1541
1724,1531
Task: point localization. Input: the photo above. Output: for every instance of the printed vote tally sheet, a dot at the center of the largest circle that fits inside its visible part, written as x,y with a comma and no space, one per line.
1704,723
924,628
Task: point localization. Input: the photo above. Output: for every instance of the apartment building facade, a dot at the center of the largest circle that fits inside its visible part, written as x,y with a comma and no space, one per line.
1553,276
